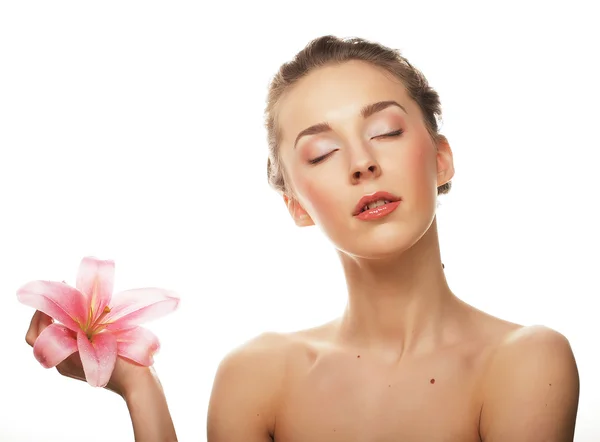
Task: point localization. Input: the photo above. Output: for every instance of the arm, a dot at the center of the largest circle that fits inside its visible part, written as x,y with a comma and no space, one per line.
148,408
138,385
531,392
246,390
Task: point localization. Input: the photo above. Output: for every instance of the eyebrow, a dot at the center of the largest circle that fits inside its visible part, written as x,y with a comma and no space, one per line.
365,112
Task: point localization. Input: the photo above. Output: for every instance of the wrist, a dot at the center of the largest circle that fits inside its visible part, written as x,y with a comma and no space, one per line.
147,404
135,379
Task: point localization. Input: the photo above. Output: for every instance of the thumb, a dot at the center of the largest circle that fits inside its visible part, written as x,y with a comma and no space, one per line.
38,323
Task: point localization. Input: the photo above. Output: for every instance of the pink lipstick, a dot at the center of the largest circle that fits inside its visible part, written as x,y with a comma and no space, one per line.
376,205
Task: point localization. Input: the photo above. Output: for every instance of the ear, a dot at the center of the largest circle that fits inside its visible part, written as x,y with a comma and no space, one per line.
445,161
299,215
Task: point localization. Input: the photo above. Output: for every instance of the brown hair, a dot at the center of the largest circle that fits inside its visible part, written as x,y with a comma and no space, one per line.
329,50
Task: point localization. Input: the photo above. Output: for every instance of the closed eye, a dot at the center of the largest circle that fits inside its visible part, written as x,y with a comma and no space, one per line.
321,158
395,133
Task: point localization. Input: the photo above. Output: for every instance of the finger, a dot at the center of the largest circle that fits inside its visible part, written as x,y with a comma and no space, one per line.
72,367
32,333
39,322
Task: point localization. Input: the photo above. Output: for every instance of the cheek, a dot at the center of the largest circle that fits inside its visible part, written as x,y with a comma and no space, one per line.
317,196
420,166
418,162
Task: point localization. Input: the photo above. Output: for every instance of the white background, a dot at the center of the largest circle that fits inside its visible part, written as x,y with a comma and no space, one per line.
133,131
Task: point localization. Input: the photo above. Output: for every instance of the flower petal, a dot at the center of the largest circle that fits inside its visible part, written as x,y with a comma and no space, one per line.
95,280
54,344
97,357
138,344
133,307
57,299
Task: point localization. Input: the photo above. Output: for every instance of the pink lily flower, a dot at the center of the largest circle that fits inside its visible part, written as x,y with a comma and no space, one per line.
94,323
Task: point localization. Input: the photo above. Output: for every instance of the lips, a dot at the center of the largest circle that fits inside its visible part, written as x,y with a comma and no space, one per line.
372,198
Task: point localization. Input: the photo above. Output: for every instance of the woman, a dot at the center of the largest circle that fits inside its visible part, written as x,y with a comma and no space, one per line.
355,149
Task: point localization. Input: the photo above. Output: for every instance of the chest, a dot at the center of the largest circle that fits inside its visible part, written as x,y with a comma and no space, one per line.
339,398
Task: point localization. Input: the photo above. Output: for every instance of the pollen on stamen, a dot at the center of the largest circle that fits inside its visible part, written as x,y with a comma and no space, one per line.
107,309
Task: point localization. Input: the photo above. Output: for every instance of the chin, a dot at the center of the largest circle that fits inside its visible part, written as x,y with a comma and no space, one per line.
382,241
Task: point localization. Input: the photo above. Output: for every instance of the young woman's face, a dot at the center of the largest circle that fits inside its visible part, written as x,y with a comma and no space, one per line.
348,131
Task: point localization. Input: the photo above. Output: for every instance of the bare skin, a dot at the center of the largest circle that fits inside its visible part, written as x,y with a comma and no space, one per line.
407,360
486,383
138,386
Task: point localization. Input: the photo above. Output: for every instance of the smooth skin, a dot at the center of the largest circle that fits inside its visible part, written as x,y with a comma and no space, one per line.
138,386
407,360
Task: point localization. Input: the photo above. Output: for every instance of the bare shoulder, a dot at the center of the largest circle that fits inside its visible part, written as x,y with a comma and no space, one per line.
267,356
531,387
528,347
269,351
536,338
246,390
248,386
266,345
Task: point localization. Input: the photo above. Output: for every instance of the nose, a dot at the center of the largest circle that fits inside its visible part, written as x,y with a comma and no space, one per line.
364,168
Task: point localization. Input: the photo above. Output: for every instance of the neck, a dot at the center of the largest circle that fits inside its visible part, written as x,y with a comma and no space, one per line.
398,304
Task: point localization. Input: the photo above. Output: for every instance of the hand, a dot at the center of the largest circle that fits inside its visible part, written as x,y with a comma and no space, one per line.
124,374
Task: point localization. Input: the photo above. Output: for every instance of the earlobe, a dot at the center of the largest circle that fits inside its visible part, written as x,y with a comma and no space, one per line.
299,215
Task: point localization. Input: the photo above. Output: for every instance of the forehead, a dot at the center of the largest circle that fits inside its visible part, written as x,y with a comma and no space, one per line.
337,93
